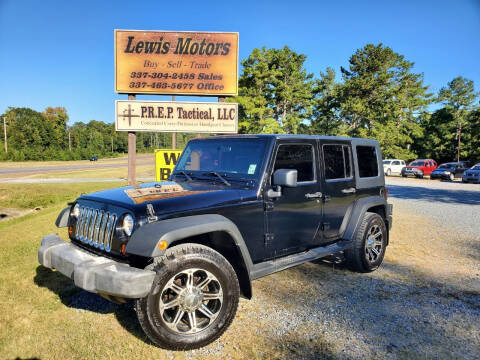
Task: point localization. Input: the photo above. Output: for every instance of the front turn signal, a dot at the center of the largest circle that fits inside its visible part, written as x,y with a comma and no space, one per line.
162,245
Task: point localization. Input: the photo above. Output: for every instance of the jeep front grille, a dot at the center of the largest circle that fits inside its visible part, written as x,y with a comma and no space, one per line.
95,228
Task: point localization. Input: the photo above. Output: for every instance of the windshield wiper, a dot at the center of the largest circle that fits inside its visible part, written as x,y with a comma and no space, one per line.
219,176
188,177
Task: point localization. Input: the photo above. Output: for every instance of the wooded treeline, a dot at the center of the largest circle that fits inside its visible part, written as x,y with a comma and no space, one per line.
32,135
377,96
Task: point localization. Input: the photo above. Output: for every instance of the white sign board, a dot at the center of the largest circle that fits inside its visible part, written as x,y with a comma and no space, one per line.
168,116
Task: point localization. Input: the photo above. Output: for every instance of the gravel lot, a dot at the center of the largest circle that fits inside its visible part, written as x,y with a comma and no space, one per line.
423,303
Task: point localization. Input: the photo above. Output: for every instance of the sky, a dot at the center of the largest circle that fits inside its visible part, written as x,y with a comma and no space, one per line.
61,53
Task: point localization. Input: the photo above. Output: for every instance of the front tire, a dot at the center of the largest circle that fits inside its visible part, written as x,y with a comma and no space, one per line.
389,172
452,177
193,300
369,245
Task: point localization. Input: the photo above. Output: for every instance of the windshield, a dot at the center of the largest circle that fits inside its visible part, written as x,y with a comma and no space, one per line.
447,166
417,163
476,167
386,162
236,157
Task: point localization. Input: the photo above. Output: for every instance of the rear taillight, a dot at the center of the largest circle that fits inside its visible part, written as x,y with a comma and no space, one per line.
386,193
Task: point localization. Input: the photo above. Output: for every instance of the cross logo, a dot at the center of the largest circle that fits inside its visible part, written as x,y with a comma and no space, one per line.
128,113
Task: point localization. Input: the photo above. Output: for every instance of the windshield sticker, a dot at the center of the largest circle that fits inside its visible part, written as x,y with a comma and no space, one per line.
251,169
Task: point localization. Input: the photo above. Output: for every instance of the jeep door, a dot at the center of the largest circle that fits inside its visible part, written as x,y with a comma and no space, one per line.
338,187
293,219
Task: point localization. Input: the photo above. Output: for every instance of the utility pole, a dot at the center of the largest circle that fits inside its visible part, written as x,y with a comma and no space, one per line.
69,141
5,133
112,143
459,141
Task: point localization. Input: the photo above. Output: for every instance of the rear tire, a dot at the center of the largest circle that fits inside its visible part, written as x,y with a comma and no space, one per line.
452,177
369,245
389,172
193,300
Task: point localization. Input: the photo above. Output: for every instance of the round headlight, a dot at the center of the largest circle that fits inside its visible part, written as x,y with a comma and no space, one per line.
75,211
128,224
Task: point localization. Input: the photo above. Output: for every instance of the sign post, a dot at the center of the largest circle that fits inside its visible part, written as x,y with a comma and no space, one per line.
132,149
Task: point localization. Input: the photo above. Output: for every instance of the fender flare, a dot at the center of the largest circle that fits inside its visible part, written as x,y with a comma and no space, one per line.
359,210
62,219
144,241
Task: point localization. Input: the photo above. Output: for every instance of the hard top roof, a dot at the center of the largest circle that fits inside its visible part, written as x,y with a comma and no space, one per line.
287,136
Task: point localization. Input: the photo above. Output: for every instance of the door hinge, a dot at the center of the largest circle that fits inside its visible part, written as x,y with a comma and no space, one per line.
268,205
268,239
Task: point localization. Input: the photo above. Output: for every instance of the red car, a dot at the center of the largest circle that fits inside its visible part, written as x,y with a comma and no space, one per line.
419,168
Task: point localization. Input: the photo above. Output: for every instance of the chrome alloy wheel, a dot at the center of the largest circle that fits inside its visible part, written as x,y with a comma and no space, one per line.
190,301
373,243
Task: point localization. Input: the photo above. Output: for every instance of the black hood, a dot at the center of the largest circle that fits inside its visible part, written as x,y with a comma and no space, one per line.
172,197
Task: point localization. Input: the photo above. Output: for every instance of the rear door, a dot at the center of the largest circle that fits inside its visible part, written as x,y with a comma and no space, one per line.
338,184
396,167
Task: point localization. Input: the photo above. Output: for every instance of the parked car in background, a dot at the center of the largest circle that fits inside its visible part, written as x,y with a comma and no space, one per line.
94,158
419,168
466,164
472,174
448,171
393,166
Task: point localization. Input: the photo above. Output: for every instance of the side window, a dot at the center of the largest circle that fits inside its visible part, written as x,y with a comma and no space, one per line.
396,163
296,156
367,161
337,162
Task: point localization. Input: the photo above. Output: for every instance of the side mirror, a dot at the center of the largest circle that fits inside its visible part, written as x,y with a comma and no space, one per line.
285,177
282,177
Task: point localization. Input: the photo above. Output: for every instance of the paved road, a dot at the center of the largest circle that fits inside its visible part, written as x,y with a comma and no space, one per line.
101,164
453,204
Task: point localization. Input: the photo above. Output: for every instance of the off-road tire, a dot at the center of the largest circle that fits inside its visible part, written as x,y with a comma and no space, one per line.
177,259
356,257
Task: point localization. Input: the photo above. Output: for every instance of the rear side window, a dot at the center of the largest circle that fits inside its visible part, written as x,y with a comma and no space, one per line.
299,157
337,162
396,163
367,161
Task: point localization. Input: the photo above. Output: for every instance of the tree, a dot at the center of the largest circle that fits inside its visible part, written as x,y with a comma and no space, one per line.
381,98
458,98
58,119
274,92
326,115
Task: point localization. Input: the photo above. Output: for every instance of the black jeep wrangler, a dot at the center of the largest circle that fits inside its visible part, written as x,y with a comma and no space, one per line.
236,208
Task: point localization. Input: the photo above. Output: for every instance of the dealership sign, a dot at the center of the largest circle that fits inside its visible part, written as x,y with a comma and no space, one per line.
168,116
171,62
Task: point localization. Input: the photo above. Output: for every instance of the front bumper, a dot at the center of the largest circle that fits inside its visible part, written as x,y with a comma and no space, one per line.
94,273
411,173
440,176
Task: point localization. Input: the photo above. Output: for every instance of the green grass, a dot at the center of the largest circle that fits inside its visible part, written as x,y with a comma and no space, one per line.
30,196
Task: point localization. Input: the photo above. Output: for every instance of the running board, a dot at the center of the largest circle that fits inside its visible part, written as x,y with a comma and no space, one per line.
273,266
